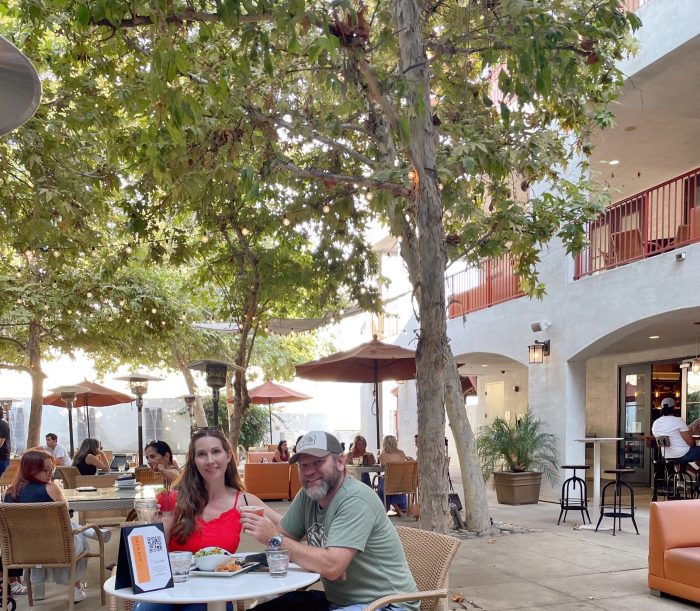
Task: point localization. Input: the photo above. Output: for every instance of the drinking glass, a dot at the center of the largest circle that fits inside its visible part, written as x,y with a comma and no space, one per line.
180,563
256,509
278,562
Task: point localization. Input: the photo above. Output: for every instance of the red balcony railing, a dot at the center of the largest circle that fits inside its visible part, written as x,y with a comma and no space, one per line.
492,282
633,5
662,218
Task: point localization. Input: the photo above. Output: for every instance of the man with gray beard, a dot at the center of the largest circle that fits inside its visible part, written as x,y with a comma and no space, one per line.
347,537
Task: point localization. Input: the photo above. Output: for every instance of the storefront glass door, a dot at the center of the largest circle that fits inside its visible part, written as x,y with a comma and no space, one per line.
635,421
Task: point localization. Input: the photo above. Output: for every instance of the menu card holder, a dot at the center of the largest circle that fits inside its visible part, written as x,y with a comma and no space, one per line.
143,563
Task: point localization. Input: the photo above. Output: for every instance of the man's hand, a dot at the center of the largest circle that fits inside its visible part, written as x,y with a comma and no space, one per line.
262,529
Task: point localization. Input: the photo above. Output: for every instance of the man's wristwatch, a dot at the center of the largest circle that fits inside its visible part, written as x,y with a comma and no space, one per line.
276,541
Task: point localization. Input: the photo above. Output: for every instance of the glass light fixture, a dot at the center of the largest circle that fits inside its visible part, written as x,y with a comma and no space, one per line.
537,351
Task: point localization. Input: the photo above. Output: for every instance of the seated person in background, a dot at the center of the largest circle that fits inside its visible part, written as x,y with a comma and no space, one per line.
391,453
89,457
33,485
160,459
359,455
682,443
207,501
694,427
281,453
60,455
336,527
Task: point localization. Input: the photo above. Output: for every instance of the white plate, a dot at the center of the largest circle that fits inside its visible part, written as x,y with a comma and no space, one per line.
86,489
130,485
245,569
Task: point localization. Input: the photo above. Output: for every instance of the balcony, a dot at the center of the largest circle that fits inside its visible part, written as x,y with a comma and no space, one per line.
493,281
633,5
646,224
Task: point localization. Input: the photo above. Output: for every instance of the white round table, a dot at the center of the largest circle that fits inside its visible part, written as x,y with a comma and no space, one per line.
216,591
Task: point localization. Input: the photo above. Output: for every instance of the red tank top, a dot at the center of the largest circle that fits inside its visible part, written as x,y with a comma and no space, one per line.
224,531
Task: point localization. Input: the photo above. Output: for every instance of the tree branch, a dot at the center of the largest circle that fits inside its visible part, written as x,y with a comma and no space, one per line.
14,341
312,132
189,16
23,368
371,183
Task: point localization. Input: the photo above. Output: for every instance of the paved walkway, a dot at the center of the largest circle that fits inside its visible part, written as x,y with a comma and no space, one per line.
546,567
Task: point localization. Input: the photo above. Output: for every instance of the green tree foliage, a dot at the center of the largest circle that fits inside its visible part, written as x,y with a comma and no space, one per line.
284,128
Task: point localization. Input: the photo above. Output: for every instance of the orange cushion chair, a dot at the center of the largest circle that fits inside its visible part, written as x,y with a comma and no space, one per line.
267,481
674,549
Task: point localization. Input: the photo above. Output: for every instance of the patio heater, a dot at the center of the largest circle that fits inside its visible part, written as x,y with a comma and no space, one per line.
68,395
190,402
138,384
216,379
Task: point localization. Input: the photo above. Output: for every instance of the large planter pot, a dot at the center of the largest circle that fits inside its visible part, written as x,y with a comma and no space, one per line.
521,488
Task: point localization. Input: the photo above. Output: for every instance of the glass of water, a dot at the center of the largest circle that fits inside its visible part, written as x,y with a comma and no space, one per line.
180,563
278,562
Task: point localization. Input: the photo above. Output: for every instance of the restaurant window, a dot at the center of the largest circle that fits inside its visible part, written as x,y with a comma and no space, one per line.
693,397
18,436
152,423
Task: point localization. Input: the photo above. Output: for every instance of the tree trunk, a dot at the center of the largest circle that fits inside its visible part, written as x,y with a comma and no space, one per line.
432,342
476,510
34,354
199,415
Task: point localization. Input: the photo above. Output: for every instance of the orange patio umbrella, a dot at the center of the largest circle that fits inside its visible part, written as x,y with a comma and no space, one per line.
94,395
270,393
372,362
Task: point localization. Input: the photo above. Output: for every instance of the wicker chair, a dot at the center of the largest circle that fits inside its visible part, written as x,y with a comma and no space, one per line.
68,475
41,533
146,476
429,557
401,478
9,474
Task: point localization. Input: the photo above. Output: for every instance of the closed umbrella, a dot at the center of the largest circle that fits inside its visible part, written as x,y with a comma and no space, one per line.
270,393
372,362
93,395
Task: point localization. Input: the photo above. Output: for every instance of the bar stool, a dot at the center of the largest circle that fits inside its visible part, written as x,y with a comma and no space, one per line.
574,494
678,483
617,507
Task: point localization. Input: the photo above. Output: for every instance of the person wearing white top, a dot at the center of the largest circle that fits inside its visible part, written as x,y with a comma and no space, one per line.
59,452
682,444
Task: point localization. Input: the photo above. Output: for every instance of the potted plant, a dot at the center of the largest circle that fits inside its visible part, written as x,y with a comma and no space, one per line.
518,453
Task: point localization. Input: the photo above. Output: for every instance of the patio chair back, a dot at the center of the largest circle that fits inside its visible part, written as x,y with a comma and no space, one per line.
429,556
9,474
40,534
98,481
400,478
146,476
68,475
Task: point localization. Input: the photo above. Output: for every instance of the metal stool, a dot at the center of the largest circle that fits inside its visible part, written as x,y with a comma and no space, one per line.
617,507
678,483
574,494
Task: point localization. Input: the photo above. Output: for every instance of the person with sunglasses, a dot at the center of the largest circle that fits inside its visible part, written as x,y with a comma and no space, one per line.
33,484
160,459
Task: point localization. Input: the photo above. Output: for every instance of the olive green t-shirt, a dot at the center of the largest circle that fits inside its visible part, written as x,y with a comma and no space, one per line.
356,519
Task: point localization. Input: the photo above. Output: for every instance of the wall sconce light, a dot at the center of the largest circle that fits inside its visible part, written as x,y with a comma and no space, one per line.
516,388
538,351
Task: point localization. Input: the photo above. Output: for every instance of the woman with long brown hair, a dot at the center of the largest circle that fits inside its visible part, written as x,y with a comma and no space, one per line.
209,495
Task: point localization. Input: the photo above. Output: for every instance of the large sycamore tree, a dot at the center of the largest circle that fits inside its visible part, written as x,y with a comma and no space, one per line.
434,116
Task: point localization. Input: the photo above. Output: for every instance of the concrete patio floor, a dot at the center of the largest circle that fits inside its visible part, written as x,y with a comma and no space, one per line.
550,567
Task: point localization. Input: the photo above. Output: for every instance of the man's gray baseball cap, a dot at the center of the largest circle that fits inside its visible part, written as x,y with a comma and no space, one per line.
318,444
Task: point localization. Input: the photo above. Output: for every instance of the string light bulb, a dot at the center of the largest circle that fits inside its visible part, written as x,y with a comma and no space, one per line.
285,221
369,196
56,253
128,249
89,294
153,310
205,238
326,208
245,231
